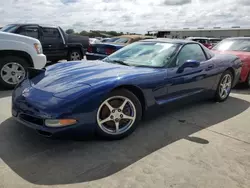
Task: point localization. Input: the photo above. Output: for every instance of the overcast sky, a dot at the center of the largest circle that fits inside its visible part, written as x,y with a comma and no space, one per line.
127,15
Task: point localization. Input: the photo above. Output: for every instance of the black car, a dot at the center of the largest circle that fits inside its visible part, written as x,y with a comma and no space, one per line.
57,44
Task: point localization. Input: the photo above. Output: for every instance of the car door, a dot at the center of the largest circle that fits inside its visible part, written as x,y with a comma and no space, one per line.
191,80
53,43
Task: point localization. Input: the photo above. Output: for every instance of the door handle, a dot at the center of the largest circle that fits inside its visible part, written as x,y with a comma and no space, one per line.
210,67
50,45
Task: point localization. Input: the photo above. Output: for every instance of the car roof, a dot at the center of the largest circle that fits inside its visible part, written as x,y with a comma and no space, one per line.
131,36
196,38
167,40
214,39
239,38
31,24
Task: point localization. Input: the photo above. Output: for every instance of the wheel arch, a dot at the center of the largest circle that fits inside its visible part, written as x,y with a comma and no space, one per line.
17,53
231,70
137,92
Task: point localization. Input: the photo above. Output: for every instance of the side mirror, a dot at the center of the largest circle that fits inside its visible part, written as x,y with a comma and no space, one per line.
188,63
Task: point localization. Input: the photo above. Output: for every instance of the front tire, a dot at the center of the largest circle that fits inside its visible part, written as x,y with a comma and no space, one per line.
224,87
118,115
75,55
12,71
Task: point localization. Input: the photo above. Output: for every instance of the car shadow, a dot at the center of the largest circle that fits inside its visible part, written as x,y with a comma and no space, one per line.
45,161
5,93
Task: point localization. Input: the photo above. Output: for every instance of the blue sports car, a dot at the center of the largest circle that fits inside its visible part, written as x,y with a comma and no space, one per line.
110,96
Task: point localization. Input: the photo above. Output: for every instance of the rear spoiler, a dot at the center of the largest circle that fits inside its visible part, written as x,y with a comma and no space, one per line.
31,72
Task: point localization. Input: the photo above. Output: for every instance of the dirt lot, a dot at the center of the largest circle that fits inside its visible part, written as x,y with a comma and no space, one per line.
206,145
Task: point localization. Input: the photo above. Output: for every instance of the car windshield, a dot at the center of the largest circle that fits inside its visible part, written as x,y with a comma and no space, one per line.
149,54
122,40
9,28
111,40
233,45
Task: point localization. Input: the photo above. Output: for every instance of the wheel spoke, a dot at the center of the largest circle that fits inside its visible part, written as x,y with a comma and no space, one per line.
225,91
6,77
109,106
123,104
128,117
105,120
20,73
14,67
221,92
15,79
117,123
6,69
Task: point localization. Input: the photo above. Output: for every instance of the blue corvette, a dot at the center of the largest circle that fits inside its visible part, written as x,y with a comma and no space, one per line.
110,96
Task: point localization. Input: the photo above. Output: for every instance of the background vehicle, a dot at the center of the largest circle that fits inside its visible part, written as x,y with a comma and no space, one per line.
100,51
110,96
203,40
18,52
94,41
239,46
105,40
214,41
57,45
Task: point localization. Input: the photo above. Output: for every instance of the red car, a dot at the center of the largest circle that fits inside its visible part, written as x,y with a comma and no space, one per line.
239,46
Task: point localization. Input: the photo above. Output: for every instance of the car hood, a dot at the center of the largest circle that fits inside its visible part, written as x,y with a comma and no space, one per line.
4,36
244,56
70,75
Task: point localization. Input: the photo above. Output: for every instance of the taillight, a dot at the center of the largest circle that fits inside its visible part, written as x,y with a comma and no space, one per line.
109,51
90,49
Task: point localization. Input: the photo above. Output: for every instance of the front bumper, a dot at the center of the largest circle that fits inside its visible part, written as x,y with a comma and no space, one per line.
95,56
39,61
37,123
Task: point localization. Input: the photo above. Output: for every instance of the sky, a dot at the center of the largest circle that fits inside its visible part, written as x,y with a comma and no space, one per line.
127,15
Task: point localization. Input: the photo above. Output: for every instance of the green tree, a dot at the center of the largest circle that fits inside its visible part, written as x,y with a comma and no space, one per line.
70,31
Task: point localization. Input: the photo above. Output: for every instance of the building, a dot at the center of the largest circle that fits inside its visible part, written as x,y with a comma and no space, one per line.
215,32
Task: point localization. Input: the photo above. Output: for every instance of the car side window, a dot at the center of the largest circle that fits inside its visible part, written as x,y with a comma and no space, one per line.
30,31
51,33
190,52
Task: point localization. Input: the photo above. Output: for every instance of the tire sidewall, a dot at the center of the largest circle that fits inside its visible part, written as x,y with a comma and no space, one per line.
7,60
217,95
138,107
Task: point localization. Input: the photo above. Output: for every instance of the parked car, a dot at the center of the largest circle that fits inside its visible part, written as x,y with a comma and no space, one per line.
203,40
105,40
110,96
214,41
18,52
100,51
94,41
239,46
57,44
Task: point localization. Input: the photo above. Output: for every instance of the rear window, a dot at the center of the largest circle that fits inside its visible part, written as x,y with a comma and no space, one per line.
233,45
202,41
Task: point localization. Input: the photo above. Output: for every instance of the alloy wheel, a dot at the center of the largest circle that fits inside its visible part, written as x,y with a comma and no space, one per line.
12,73
75,56
116,115
225,86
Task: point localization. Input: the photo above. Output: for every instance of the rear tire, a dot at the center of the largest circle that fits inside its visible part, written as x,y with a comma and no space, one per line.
75,55
12,71
118,115
224,86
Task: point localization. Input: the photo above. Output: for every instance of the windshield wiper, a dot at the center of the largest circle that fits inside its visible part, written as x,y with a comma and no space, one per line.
117,61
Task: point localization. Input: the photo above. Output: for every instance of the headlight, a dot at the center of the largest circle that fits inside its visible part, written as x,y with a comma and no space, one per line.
38,48
59,122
